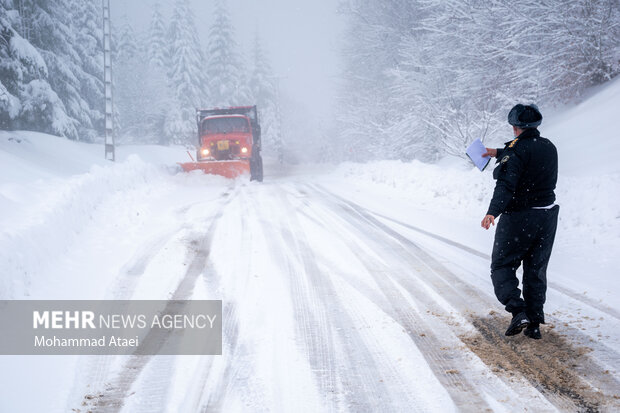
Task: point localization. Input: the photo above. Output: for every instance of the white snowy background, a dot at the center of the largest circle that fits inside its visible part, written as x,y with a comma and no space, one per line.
356,275
75,227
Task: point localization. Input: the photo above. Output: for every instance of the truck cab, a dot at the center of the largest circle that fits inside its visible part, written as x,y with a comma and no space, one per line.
225,137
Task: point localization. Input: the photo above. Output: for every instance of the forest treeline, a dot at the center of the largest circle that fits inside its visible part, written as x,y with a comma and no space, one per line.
165,72
421,78
51,67
424,78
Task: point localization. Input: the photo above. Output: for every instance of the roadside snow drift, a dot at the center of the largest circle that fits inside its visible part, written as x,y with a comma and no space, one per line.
360,287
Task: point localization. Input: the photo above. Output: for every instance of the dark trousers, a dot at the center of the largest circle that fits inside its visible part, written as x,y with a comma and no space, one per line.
524,236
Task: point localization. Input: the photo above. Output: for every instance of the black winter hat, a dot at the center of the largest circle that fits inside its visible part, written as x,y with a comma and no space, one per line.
525,116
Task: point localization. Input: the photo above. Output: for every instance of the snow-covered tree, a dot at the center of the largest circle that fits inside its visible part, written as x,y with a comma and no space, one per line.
185,73
157,44
186,58
14,66
86,23
265,94
370,51
125,42
177,127
447,94
27,100
425,77
129,82
53,32
262,79
157,82
468,64
227,83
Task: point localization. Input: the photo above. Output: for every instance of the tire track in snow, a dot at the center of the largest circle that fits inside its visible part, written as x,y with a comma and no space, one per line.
342,364
578,297
364,365
238,369
129,276
112,398
607,355
314,331
584,398
134,269
458,293
445,361
214,395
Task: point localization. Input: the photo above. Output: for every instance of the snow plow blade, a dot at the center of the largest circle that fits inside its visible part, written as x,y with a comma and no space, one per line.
228,169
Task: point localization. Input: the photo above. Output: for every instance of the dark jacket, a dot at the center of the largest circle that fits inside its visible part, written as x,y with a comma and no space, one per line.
526,174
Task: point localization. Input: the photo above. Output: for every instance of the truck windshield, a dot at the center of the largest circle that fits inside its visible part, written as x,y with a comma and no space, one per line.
225,125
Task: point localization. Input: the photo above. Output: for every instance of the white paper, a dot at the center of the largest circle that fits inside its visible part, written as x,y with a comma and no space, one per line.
475,152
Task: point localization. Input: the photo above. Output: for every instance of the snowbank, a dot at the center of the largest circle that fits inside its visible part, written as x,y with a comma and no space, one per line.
587,134
456,188
72,225
52,188
588,192
42,222
588,186
590,203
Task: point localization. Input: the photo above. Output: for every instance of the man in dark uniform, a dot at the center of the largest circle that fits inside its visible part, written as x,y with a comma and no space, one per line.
524,196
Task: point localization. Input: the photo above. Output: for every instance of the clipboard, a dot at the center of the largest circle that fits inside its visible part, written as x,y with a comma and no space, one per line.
475,152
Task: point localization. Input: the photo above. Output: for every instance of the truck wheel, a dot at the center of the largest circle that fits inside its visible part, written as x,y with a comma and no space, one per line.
256,169
259,169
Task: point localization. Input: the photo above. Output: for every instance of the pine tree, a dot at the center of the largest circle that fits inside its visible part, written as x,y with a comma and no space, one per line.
156,79
129,77
142,93
227,85
53,34
366,112
27,98
126,42
157,47
264,91
186,59
185,74
262,80
16,67
177,128
87,23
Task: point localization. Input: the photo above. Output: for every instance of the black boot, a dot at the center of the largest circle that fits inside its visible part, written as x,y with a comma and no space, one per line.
533,331
518,323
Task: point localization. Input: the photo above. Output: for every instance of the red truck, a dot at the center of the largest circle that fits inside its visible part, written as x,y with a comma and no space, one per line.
229,143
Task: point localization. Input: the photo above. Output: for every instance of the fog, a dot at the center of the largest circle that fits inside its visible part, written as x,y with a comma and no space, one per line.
302,39
333,79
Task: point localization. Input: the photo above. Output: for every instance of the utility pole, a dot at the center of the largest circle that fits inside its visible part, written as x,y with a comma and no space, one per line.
107,81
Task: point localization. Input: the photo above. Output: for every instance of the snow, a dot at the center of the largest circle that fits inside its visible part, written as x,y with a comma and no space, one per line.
8,102
589,222
588,194
24,51
65,214
339,283
586,136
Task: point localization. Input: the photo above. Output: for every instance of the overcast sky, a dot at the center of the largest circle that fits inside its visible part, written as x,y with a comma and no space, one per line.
301,37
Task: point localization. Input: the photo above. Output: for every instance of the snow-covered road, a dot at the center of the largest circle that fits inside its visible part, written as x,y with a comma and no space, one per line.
356,288
332,306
